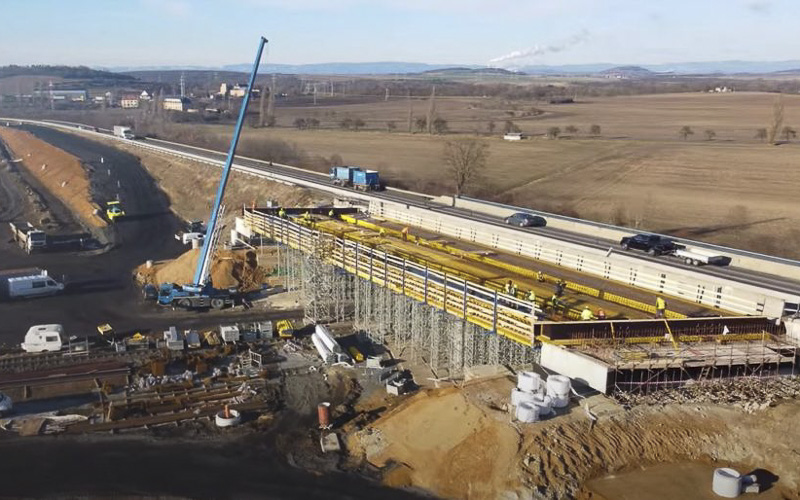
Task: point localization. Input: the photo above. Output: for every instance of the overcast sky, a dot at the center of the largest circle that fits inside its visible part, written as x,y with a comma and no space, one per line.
501,33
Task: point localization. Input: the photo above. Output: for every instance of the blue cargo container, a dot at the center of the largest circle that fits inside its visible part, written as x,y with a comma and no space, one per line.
343,176
366,180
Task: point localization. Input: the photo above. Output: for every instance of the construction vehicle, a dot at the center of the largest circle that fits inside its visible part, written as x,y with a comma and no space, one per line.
114,210
26,283
195,230
360,179
28,237
285,329
201,293
124,132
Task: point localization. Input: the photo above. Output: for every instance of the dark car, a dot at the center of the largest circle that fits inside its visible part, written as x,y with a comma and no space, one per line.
650,243
525,220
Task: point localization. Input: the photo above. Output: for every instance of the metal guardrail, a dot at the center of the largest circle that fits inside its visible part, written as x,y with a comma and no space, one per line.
712,292
626,231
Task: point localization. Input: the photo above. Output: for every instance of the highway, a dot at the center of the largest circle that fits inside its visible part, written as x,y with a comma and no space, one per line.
745,276
753,278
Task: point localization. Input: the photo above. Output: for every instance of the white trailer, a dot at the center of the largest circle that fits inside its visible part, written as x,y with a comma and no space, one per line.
699,256
44,338
24,283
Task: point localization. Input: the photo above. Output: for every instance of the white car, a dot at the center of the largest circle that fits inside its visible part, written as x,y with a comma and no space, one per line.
5,404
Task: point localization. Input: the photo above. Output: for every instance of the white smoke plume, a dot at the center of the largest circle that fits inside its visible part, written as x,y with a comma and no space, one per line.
538,50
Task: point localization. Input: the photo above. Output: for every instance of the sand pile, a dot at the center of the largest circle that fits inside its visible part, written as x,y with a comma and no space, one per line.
237,268
59,172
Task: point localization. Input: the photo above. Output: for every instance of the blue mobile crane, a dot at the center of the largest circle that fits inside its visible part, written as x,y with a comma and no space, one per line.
201,293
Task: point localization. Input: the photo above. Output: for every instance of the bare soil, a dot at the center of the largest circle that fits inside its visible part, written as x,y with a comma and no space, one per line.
463,444
61,173
243,269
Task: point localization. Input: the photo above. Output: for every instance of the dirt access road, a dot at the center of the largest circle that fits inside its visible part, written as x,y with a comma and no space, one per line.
101,288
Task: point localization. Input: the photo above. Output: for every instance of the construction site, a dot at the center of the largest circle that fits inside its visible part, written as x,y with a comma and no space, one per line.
351,341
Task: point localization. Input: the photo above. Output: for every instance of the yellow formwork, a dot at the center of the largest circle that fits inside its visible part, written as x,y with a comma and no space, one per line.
486,259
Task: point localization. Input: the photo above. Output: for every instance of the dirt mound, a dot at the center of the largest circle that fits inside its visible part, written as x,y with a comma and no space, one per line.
238,268
458,443
59,172
439,441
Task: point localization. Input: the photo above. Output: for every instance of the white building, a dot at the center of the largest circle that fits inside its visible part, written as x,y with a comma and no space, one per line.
144,96
176,103
129,101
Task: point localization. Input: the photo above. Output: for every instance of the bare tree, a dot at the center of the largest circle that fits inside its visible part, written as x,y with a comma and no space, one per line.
777,120
346,123
431,110
410,113
685,132
262,116
553,132
312,123
761,134
301,123
358,123
270,119
710,134
594,130
571,129
491,126
440,125
421,123
391,126
788,133
510,127
465,160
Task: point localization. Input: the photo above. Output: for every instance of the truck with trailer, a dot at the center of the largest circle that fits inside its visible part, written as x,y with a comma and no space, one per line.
28,237
28,283
124,132
356,177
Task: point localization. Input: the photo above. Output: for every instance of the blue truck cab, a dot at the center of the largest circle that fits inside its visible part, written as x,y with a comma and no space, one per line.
366,180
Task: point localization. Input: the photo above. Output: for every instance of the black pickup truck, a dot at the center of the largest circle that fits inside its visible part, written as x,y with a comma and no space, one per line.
650,243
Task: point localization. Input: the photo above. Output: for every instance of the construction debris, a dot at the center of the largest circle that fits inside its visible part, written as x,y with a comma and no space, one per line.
750,394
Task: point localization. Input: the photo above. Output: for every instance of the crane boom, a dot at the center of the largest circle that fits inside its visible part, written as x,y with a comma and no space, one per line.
201,275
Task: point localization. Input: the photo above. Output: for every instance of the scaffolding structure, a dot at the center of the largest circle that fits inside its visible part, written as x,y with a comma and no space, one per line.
358,289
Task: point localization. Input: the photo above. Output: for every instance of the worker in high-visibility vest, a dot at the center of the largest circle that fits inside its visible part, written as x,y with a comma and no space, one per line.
540,276
532,297
661,307
601,314
560,286
404,232
282,213
586,314
331,213
554,303
511,288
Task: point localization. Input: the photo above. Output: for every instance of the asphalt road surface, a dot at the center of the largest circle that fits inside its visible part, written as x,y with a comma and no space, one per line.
100,286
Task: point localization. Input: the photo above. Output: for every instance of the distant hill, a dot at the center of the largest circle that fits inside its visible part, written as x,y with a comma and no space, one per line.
628,72
65,72
402,68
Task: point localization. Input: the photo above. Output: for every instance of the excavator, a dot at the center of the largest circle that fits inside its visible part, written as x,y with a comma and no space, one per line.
201,294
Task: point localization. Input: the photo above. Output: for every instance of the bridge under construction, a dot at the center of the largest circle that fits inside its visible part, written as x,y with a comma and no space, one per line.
443,302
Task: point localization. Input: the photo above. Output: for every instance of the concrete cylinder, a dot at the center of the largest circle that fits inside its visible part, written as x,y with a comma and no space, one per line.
529,381
197,243
518,396
324,415
727,483
527,412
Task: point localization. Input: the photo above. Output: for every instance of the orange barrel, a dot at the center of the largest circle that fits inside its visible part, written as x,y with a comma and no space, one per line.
324,414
